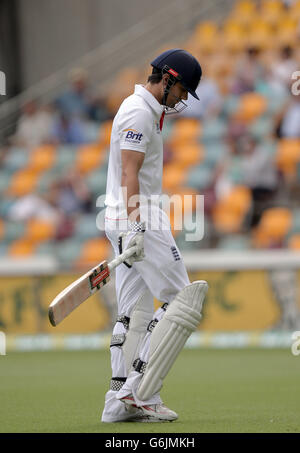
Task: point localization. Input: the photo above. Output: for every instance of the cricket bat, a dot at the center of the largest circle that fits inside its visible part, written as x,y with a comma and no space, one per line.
80,290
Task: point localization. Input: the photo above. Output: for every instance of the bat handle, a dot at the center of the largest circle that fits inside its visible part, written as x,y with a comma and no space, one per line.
123,257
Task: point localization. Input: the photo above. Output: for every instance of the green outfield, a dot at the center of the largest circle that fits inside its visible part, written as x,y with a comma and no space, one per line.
212,391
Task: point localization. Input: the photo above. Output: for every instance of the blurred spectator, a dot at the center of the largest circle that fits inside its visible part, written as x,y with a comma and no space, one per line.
73,195
34,126
259,174
249,72
68,130
210,101
33,206
76,100
281,71
288,121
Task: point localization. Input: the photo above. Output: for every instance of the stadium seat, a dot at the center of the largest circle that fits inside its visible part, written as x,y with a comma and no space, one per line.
251,106
105,132
294,242
199,177
5,177
184,130
39,230
42,158
16,159
206,37
295,226
295,9
262,128
214,153
229,212
89,157
274,225
260,34
86,227
188,154
68,251
243,12
213,129
65,156
233,38
21,248
288,156
271,11
1,229
13,231
22,182
96,181
93,252
173,177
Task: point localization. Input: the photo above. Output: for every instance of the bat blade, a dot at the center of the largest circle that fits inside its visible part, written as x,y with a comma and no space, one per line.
77,292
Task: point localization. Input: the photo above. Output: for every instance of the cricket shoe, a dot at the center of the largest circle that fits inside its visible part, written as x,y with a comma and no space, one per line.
158,412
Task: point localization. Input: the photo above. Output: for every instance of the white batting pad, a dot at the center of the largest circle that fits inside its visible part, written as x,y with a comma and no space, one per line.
170,334
139,320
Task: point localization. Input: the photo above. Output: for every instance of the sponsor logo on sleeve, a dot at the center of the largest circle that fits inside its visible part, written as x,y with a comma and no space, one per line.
133,136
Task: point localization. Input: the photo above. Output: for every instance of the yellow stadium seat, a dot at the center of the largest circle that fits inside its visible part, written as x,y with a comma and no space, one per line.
2,229
274,225
294,242
42,158
206,37
234,37
188,154
229,212
185,130
295,10
243,12
271,11
22,183
93,252
105,132
89,157
287,156
226,221
173,177
21,248
287,31
260,34
39,230
251,106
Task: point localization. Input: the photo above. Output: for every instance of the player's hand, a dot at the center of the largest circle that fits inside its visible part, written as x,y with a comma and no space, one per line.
133,237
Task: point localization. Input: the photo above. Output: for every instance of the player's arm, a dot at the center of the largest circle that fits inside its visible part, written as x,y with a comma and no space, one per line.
131,165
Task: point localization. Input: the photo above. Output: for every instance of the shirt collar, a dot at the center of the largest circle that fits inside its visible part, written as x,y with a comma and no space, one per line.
140,90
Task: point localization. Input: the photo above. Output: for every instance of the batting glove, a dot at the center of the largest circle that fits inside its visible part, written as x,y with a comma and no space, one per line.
133,237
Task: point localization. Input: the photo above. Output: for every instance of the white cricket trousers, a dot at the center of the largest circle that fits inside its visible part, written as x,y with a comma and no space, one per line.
162,272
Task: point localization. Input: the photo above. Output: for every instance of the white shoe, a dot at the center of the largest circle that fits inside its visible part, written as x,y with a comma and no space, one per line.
152,412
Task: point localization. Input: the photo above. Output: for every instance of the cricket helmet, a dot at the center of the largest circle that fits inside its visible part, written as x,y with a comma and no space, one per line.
181,66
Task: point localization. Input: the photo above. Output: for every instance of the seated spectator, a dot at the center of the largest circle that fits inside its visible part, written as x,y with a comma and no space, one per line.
34,126
210,101
68,130
33,206
73,195
248,73
288,121
281,71
75,101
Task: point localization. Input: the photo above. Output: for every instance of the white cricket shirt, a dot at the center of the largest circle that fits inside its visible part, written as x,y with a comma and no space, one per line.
136,127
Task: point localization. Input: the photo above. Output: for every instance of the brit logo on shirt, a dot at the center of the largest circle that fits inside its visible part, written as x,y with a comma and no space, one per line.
133,136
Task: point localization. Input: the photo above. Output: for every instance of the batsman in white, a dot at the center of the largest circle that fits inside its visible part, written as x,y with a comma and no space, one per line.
145,344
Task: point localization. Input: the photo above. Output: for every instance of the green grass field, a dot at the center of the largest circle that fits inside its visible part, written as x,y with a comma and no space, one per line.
221,391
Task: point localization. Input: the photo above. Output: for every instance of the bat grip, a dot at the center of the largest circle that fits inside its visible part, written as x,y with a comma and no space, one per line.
123,257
